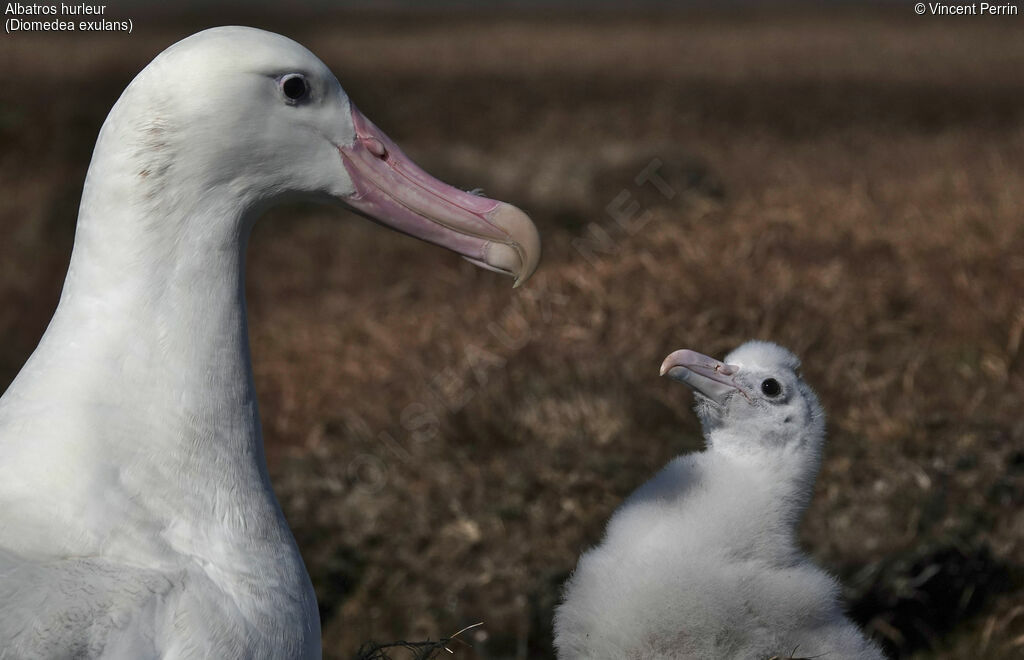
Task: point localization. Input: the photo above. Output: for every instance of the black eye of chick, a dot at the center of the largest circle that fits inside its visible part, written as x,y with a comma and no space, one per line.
771,387
294,87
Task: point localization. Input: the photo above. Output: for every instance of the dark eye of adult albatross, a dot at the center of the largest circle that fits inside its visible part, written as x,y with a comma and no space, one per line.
771,387
294,86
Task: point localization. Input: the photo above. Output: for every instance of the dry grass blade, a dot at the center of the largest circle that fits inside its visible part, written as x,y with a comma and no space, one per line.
791,656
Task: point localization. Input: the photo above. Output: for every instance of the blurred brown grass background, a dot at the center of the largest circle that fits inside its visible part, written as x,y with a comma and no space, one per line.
847,183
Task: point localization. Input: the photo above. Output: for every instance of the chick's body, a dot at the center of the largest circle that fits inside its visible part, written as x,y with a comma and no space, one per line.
702,561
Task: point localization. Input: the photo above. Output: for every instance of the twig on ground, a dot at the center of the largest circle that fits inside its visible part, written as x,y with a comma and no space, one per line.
426,650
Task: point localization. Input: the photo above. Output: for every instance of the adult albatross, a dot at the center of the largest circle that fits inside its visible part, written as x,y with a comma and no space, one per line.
136,516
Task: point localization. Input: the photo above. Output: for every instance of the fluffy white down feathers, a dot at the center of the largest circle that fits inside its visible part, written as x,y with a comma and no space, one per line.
702,561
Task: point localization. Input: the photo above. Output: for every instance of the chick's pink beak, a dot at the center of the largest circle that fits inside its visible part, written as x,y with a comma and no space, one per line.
701,373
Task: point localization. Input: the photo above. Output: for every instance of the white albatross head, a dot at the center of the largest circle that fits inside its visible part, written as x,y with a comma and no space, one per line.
256,114
756,396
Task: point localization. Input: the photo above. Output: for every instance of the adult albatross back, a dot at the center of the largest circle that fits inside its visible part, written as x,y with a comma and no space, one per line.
136,516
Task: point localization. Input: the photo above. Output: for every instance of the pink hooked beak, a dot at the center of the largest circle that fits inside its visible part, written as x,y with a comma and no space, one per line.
701,373
393,190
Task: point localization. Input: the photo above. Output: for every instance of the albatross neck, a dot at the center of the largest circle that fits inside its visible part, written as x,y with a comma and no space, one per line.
151,322
144,380
777,478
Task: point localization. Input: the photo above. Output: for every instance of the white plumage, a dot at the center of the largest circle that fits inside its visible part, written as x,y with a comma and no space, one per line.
136,516
702,561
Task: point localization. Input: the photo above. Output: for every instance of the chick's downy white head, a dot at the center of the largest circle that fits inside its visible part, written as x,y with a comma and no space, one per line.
755,399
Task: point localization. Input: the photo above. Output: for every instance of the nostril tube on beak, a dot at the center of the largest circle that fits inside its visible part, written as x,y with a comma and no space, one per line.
375,146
